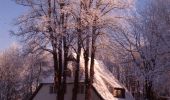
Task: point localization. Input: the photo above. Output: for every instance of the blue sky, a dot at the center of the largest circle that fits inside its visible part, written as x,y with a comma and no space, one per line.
9,11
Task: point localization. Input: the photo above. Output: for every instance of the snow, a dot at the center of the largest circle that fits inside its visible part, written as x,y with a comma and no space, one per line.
102,79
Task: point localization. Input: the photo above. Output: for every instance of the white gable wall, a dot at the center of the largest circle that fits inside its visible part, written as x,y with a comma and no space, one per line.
44,94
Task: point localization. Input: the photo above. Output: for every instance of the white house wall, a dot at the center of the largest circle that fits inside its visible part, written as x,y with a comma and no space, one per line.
44,94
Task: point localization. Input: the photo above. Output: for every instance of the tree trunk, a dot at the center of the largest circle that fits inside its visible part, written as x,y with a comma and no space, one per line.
64,88
60,69
86,58
76,80
148,90
93,50
55,59
61,63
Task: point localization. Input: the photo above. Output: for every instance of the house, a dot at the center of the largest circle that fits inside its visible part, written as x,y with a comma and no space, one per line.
105,86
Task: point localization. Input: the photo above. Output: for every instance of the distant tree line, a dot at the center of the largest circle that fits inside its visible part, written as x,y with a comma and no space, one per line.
21,74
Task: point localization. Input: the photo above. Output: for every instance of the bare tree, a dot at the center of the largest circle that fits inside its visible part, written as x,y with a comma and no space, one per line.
145,43
51,26
46,31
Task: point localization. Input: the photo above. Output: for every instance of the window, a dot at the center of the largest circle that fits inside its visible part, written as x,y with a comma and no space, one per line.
68,72
116,92
119,92
81,88
52,89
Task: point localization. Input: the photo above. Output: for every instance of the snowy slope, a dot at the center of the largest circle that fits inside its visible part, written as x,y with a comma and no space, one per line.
104,78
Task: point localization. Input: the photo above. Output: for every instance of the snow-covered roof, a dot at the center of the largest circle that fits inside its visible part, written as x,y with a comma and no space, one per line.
102,79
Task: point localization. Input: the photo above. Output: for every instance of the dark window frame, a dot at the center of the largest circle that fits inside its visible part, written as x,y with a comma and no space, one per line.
81,88
119,92
52,89
68,72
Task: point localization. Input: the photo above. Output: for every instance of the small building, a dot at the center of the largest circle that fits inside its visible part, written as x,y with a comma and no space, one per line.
105,86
